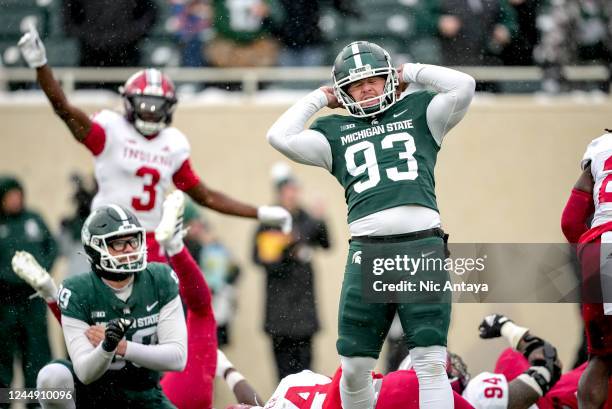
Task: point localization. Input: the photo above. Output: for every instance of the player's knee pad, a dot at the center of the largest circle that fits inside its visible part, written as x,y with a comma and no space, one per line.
356,372
429,363
54,376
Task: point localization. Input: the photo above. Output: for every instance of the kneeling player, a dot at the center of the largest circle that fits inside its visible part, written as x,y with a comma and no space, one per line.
145,326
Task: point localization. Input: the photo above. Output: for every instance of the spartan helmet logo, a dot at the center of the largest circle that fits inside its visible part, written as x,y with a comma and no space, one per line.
356,259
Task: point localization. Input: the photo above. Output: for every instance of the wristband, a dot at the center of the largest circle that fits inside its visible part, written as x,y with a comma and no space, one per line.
233,378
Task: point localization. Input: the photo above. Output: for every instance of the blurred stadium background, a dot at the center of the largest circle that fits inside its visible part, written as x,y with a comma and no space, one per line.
503,176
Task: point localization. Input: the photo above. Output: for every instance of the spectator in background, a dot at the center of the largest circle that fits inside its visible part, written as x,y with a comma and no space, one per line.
471,32
572,32
193,21
291,316
23,320
70,229
520,49
109,31
299,32
242,34
219,268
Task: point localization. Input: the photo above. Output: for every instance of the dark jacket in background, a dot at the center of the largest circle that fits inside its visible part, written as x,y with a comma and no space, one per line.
290,301
24,231
109,30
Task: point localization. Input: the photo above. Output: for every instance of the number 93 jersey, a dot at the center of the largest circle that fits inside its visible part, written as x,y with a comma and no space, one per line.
134,171
599,155
87,298
384,161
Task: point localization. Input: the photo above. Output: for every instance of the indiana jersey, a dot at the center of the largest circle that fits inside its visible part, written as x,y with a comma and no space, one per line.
87,298
309,390
384,162
134,171
599,155
487,391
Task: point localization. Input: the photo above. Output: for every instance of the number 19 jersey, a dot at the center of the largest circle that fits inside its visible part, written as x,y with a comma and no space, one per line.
384,161
134,171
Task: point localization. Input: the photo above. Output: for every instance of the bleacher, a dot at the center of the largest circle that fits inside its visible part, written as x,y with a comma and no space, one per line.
389,23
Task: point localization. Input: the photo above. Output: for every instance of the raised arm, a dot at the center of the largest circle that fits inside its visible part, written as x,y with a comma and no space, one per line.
455,91
288,136
33,52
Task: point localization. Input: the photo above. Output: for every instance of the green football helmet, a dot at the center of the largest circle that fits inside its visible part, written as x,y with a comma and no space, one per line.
104,225
360,60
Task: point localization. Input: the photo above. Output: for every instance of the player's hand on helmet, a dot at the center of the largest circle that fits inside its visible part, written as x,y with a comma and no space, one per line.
32,48
332,100
402,84
275,216
115,331
491,325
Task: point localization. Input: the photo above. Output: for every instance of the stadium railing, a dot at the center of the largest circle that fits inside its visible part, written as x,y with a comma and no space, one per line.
251,78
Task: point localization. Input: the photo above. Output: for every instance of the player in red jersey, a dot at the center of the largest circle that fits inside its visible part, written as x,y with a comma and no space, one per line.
592,196
138,155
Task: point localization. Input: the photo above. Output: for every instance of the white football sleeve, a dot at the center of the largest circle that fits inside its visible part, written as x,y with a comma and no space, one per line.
487,391
455,91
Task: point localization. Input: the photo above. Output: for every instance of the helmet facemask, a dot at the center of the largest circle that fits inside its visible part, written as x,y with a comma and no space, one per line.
124,263
361,109
151,114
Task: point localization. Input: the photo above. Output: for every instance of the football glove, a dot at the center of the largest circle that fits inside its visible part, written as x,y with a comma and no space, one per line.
32,48
491,325
115,330
275,216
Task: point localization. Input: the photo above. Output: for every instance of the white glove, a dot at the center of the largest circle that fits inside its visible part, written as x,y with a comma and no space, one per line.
32,48
275,216
223,364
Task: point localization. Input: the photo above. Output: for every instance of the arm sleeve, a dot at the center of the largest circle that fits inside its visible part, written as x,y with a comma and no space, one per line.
95,139
455,91
171,352
578,209
89,363
185,177
288,136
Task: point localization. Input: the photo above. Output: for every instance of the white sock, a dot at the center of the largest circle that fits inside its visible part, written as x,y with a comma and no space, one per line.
356,385
429,364
56,376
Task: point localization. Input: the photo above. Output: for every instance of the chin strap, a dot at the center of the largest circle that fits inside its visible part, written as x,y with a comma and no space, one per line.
111,276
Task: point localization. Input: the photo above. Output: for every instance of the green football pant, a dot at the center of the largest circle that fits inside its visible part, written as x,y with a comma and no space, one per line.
363,327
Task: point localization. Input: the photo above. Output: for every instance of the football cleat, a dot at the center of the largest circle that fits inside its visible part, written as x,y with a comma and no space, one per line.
169,233
28,269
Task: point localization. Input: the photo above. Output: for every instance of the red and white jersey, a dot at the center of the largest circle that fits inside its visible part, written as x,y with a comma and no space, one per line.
135,171
487,391
304,390
599,155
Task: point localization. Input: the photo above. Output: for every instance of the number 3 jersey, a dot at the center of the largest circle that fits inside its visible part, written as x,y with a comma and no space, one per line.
134,171
599,155
87,298
387,161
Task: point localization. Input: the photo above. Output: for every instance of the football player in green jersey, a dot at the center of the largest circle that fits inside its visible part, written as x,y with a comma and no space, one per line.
383,154
139,303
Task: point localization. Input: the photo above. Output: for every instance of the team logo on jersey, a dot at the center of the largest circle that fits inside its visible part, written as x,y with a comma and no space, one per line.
33,230
347,127
357,257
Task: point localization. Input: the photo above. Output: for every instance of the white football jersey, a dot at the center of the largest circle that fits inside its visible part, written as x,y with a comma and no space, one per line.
487,391
134,171
599,155
304,390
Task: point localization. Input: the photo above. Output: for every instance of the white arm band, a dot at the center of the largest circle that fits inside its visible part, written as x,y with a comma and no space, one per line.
89,363
288,136
171,352
455,92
